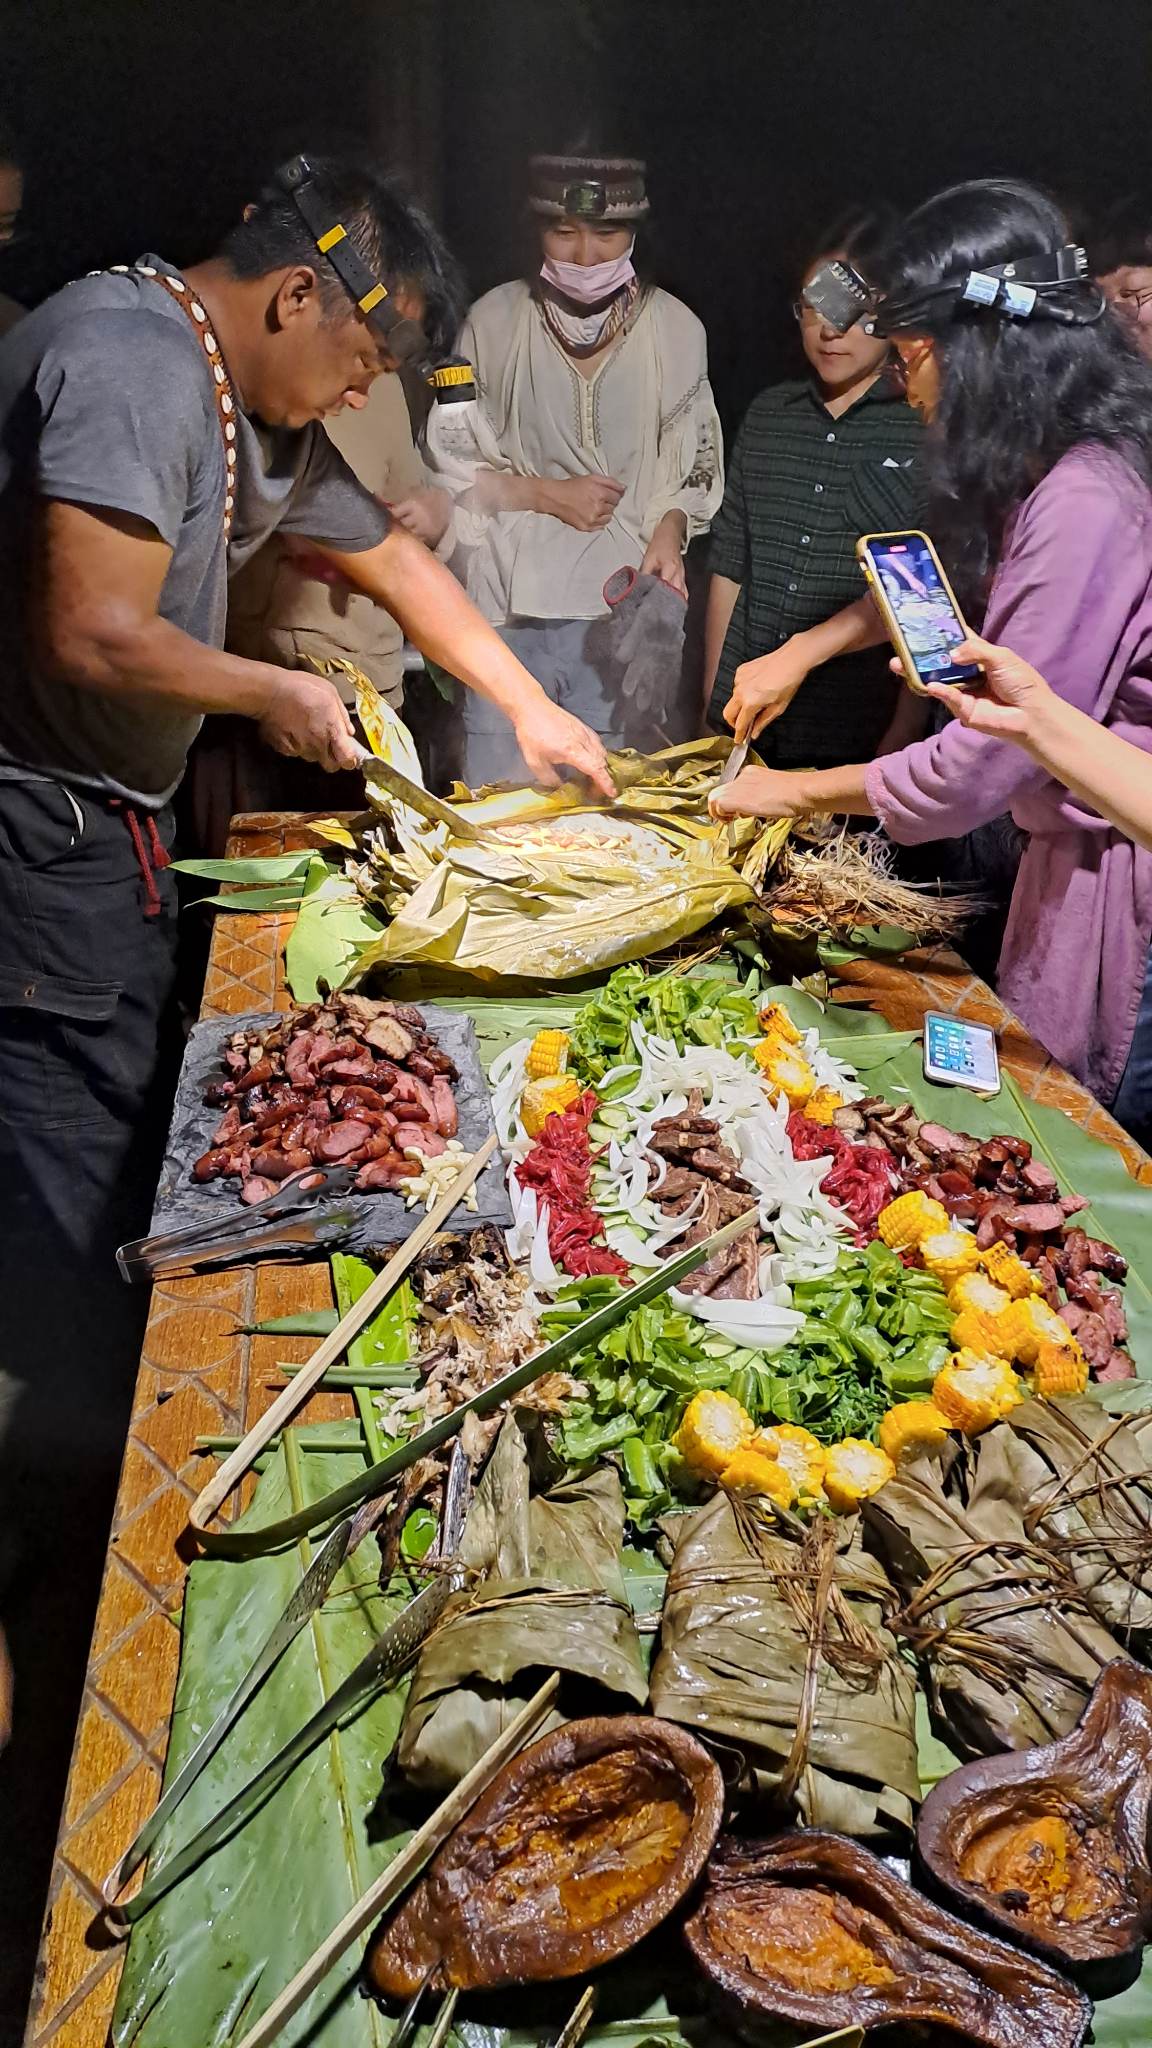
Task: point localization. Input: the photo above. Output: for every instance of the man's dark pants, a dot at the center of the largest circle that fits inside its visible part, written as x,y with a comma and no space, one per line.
87,1051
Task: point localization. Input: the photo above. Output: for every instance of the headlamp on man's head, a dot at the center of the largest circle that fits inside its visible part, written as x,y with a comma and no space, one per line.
1019,290
404,339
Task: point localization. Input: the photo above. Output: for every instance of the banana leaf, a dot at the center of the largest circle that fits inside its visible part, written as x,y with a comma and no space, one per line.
1008,1647
737,1639
334,928
1082,1481
549,1594
214,1952
508,907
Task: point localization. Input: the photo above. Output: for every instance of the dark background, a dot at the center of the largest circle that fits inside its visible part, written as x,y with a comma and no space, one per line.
147,122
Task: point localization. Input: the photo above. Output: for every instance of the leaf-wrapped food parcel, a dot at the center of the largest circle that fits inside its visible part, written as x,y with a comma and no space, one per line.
562,886
1009,1648
775,1639
549,1594
1084,1488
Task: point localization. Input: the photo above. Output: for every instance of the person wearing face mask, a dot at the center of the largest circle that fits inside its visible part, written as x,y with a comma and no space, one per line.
594,448
817,462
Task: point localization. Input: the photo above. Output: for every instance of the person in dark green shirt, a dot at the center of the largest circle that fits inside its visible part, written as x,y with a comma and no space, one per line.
816,463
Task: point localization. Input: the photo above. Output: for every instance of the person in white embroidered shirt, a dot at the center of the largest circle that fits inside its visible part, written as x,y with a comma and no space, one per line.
594,447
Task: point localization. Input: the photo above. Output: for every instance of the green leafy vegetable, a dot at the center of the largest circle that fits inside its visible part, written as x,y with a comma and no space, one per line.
688,1009
875,1333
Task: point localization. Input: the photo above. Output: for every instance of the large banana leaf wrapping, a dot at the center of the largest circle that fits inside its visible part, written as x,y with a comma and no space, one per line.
1083,1483
561,886
777,1642
1008,1645
549,1594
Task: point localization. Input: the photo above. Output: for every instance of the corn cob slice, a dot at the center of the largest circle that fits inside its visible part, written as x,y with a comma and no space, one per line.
786,1071
799,1453
712,1429
775,1022
750,1471
542,1099
822,1106
976,1290
912,1429
1060,1370
975,1330
905,1221
1025,1325
949,1254
854,1471
975,1390
1007,1270
547,1054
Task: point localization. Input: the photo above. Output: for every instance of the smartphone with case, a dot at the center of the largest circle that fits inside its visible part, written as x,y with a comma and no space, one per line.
960,1055
916,601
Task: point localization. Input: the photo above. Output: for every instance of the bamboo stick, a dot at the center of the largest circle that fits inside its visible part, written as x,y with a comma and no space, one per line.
404,1867
284,1407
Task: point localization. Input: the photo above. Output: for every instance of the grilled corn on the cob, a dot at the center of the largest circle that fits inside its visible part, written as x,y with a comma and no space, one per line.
1060,1370
786,1071
542,1099
775,1022
798,1452
854,1471
975,1330
913,1428
547,1054
910,1217
751,1471
949,1254
975,1390
712,1429
976,1290
1025,1325
1007,1269
821,1107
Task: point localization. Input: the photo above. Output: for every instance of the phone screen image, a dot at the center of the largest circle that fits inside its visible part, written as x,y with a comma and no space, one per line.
924,611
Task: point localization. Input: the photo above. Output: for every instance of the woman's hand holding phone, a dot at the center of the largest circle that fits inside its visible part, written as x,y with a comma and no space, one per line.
1008,700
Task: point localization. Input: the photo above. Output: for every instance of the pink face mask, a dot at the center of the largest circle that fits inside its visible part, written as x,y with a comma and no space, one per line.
589,283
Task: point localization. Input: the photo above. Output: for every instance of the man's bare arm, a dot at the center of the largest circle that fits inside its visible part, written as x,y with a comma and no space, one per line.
97,584
426,600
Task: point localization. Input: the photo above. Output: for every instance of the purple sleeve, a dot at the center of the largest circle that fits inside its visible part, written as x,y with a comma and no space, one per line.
1076,568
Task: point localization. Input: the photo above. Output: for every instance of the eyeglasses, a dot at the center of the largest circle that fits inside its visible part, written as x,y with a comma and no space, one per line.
1130,305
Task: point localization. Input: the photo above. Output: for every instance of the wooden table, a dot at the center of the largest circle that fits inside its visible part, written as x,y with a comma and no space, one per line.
200,1377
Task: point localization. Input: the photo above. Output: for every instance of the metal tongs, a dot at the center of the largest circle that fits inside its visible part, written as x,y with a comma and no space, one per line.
268,1226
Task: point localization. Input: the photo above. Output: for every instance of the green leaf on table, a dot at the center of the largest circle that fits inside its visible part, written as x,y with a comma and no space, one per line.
252,902
309,1322
214,1952
333,928
265,867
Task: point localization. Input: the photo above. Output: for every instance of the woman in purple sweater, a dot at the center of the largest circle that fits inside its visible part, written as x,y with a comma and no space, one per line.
1041,467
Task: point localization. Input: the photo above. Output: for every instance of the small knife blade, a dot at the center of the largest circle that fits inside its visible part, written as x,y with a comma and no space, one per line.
735,762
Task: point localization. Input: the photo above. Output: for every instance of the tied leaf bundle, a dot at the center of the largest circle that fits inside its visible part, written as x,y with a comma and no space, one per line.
1083,1483
548,1593
775,1639
1008,1646
562,886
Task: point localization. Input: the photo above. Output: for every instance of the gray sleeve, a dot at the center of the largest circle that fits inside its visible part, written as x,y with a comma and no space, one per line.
330,505
123,405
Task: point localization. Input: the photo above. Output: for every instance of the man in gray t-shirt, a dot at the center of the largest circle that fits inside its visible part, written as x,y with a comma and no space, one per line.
155,429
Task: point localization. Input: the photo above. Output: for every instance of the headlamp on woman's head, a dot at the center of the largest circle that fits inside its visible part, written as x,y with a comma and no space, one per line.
1020,290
